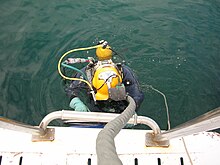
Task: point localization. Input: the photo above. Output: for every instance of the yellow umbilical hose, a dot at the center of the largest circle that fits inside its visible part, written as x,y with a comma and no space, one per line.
71,51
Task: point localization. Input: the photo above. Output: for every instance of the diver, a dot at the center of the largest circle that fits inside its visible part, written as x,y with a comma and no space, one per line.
111,82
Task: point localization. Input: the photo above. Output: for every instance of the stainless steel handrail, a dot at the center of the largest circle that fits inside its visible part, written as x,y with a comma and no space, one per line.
17,126
205,122
73,116
95,117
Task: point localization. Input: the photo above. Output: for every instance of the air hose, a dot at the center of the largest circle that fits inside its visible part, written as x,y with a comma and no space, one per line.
71,51
75,69
105,144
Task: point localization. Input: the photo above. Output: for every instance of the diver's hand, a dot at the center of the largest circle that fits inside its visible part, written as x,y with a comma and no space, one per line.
78,105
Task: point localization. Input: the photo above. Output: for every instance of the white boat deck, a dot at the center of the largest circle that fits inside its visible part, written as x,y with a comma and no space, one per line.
77,146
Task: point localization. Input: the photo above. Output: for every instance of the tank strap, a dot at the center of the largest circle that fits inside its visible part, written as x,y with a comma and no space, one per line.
90,73
118,66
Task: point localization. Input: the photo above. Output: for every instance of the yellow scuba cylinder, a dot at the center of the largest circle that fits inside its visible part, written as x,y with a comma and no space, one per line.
104,52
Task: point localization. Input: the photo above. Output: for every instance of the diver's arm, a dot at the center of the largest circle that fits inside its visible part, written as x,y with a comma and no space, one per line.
72,92
73,89
132,86
75,86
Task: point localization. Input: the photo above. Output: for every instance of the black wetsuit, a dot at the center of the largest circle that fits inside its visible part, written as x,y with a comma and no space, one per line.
131,86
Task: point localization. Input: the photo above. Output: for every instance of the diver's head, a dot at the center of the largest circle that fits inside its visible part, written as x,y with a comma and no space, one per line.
103,52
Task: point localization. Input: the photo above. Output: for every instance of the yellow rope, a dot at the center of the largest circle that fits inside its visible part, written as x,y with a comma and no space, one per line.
71,51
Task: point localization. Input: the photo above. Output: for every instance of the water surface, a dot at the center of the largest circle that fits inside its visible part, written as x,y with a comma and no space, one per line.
172,45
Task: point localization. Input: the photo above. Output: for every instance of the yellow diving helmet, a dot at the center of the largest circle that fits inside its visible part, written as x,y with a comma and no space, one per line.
106,77
104,52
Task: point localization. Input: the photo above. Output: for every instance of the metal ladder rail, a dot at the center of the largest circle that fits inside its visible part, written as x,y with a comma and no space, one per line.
42,133
74,116
205,122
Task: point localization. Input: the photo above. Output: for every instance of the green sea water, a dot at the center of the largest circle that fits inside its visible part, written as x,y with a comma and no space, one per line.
172,45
